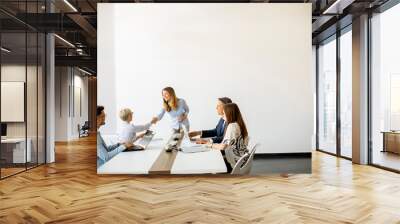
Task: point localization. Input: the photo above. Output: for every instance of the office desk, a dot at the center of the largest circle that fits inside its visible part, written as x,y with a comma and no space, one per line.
13,150
144,162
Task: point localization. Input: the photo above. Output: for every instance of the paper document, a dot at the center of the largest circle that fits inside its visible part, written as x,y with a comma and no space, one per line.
194,148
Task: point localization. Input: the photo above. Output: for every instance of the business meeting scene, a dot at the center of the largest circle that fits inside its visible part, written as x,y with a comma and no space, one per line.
200,111
174,102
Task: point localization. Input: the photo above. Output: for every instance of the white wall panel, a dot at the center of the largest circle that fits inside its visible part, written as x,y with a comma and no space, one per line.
257,54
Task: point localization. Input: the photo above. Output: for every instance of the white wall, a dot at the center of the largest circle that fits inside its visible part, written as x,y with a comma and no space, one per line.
257,54
61,103
314,84
68,81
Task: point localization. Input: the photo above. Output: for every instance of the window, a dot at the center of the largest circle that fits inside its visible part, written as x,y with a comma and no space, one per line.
385,89
346,93
327,96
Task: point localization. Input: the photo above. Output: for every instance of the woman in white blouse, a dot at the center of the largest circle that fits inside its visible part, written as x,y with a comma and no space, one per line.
234,144
129,130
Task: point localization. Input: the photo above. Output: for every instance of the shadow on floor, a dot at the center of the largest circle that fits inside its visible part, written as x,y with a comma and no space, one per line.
281,165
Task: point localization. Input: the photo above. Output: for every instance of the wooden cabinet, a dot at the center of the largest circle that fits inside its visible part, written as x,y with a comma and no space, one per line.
391,142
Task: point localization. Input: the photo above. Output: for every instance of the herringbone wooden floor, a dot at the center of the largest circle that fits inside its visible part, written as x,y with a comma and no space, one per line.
70,191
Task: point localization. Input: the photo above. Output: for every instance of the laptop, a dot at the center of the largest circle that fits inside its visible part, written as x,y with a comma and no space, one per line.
143,142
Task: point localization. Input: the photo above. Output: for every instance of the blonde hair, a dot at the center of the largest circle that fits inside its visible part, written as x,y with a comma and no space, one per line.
173,103
124,114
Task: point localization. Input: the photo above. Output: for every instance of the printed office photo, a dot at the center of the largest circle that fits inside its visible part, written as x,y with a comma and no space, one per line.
204,89
200,111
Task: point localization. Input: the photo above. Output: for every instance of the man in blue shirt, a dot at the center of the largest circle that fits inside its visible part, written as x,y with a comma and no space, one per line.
105,152
217,134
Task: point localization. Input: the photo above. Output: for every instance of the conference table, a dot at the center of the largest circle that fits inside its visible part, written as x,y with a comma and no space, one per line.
155,160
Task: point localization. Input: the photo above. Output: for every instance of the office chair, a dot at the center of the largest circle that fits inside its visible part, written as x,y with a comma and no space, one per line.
84,130
243,166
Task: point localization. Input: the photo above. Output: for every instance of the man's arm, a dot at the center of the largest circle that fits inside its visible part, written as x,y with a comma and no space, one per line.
105,152
139,128
217,139
115,151
209,133
110,148
212,132
106,147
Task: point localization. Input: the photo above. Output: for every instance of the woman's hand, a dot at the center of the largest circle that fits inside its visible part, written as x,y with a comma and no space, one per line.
154,120
217,146
202,141
141,135
182,117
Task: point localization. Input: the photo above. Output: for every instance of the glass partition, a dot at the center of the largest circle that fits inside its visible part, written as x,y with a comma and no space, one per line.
13,95
22,77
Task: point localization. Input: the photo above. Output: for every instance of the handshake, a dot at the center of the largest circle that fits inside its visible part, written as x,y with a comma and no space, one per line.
154,120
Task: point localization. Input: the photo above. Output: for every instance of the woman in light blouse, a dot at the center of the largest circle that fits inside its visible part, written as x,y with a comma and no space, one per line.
235,139
176,108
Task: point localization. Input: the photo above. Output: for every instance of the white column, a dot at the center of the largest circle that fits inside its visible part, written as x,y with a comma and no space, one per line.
50,99
360,90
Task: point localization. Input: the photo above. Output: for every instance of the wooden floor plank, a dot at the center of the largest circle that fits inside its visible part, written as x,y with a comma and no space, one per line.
70,191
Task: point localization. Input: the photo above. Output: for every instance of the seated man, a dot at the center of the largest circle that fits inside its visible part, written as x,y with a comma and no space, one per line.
104,152
217,134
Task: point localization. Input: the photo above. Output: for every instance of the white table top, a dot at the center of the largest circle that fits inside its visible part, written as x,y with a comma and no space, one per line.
136,162
199,163
140,162
13,140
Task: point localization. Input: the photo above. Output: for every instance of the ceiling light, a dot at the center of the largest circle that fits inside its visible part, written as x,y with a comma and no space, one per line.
338,6
5,50
70,5
84,71
64,40
331,7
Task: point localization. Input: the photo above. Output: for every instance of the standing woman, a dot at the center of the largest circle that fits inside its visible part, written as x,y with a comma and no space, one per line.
176,108
236,138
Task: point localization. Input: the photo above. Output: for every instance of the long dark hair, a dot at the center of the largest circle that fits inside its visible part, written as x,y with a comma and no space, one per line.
233,115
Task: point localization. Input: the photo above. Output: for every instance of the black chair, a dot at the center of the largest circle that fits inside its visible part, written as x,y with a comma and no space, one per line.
84,130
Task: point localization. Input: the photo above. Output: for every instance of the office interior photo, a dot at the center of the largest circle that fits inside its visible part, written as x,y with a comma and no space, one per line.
317,83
